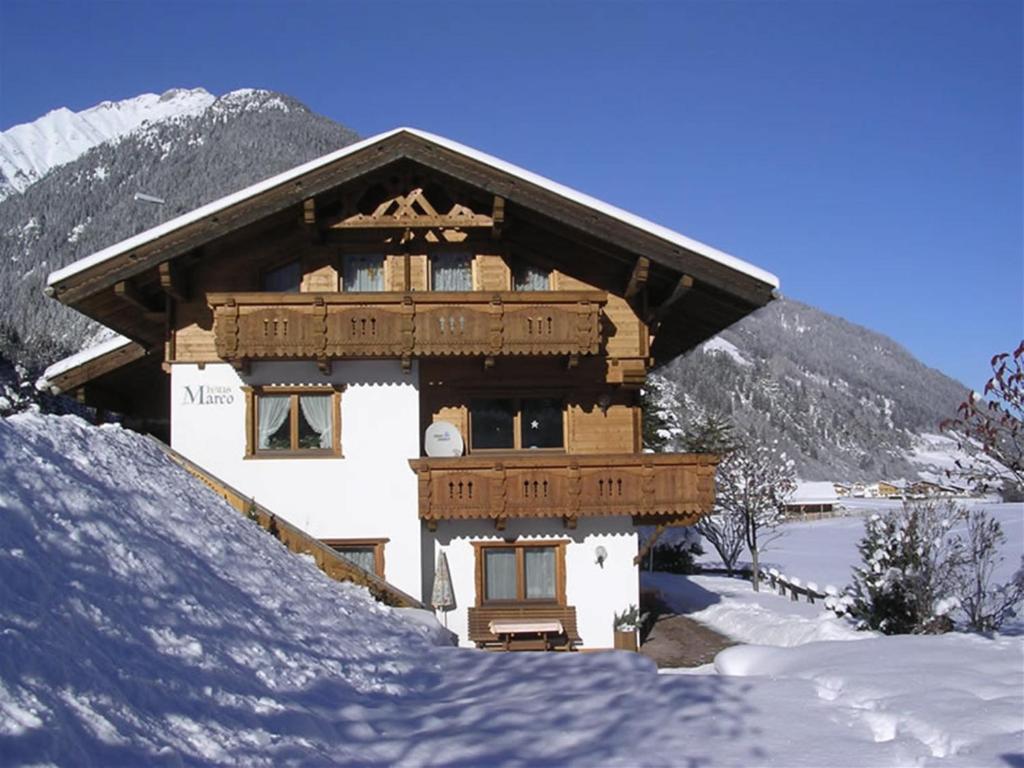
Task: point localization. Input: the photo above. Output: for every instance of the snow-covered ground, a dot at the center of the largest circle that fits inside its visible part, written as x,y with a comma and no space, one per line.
145,622
954,699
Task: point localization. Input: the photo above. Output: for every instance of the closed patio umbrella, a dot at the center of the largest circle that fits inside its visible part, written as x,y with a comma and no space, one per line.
442,597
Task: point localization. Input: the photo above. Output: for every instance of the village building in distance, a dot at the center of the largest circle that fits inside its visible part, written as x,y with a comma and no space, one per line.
429,360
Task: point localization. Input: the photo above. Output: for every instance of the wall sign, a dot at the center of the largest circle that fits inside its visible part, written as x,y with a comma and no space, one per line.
208,394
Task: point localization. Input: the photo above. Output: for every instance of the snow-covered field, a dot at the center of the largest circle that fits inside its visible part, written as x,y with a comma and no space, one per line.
824,551
145,622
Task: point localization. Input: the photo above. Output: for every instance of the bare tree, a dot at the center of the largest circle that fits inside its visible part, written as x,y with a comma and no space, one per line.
990,426
753,484
725,532
985,605
712,432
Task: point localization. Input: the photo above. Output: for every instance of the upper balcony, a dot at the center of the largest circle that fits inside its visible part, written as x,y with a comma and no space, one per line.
326,326
533,484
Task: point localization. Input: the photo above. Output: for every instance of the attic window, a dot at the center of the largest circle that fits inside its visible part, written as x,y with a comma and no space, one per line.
286,278
451,272
362,273
530,277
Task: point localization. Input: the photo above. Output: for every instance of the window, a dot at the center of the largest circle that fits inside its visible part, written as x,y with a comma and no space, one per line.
530,277
293,421
368,554
451,272
286,278
362,273
516,423
520,572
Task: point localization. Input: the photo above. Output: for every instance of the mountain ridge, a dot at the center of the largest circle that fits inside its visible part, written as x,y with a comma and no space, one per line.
28,151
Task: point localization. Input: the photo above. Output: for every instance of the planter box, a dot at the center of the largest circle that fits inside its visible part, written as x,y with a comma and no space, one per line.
625,640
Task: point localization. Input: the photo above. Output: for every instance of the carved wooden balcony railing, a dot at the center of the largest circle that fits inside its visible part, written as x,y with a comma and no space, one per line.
325,326
655,485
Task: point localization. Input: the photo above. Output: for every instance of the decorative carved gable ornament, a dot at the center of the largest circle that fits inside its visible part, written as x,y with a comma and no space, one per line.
411,210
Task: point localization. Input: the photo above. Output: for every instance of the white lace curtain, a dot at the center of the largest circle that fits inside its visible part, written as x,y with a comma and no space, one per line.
451,272
500,565
363,273
317,411
364,558
540,573
273,410
530,278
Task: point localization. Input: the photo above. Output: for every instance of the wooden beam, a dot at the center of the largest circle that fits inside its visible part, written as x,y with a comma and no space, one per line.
128,293
309,211
638,277
497,217
172,282
681,289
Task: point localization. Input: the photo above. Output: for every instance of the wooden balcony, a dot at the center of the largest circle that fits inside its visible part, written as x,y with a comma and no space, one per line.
648,485
326,326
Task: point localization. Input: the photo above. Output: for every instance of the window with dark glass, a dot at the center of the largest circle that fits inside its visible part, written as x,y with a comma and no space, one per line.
304,422
493,423
521,572
286,278
540,423
362,273
516,423
530,277
451,272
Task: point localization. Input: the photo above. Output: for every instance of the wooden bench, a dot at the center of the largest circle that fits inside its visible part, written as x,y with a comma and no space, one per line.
524,627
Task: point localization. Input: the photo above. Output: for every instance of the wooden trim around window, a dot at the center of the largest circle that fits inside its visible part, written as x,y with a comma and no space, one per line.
559,545
377,544
252,395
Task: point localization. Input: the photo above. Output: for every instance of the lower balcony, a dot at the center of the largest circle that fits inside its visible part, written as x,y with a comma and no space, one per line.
656,486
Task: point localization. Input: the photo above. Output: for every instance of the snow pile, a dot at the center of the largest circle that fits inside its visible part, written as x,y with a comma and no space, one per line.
904,700
141,615
30,150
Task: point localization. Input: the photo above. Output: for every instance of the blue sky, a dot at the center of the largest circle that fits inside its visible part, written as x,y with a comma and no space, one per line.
870,154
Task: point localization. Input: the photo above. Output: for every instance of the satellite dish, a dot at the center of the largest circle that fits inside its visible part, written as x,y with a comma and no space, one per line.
442,439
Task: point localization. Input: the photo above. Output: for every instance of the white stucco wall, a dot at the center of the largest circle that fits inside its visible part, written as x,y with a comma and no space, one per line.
597,592
370,493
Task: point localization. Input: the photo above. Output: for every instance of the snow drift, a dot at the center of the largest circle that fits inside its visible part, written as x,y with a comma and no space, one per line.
143,617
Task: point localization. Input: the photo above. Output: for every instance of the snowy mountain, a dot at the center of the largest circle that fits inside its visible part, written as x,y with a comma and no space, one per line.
29,151
845,402
187,148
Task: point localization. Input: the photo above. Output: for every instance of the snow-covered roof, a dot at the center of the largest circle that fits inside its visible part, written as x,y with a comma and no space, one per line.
571,194
813,492
81,358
